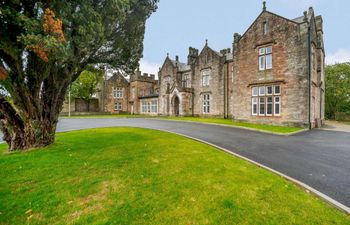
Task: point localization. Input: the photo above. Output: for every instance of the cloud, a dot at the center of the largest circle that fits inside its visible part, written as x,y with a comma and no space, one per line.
149,67
340,56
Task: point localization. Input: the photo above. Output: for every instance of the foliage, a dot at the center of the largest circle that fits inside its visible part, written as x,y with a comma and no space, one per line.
86,85
45,45
142,176
337,89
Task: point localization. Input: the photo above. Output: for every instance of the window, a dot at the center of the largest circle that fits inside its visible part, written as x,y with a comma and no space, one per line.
205,77
206,103
254,106
262,91
149,106
255,91
277,105
269,106
269,90
265,58
277,90
118,106
265,28
262,106
266,100
186,80
118,92
154,106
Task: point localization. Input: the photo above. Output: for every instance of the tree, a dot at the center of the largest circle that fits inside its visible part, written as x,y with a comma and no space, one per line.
85,86
337,89
45,45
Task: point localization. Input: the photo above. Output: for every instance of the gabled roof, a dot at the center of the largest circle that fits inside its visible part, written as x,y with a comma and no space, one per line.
118,77
206,46
265,11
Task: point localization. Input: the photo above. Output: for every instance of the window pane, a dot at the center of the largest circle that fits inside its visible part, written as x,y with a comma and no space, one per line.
262,106
269,61
277,109
261,62
261,91
261,51
254,106
277,90
269,50
255,91
255,109
269,109
269,90
269,106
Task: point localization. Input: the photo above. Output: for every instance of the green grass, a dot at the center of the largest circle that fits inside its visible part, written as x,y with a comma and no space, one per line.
262,127
140,176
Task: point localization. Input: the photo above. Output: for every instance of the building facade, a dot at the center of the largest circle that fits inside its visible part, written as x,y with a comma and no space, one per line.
138,95
273,74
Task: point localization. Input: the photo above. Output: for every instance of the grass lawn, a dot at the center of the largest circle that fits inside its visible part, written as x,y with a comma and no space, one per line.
140,176
94,116
263,127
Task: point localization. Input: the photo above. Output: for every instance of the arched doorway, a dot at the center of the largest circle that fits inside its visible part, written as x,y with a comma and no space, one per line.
176,106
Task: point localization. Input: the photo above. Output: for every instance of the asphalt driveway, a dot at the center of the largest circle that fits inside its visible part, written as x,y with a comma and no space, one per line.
318,158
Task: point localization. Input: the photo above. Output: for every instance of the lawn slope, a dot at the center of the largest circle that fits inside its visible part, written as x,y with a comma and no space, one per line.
140,176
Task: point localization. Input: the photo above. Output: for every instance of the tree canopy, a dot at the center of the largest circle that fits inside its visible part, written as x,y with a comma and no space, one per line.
337,89
86,85
45,45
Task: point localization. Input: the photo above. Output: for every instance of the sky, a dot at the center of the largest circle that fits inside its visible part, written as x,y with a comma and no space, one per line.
178,24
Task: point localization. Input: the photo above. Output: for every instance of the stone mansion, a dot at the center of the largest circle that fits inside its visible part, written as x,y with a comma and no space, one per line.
273,73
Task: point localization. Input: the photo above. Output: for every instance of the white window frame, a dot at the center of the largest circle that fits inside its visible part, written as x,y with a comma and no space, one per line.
206,77
262,104
260,91
274,90
118,92
154,106
267,88
267,106
261,100
265,58
206,103
118,106
255,89
277,103
255,103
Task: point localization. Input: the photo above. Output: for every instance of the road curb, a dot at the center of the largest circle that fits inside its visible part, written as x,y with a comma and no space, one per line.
315,192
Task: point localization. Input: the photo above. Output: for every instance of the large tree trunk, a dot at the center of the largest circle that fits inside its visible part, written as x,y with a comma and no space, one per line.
28,135
30,121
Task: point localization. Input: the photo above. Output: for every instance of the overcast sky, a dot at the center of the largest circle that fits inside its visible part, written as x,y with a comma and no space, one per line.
178,24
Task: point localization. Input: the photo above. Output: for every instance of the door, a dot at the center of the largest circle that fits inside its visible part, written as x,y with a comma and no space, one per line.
176,106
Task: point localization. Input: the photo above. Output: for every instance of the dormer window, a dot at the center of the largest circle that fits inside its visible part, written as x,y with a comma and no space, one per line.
265,28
